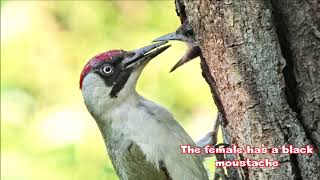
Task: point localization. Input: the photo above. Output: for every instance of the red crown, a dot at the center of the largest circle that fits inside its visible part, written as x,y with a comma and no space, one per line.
105,56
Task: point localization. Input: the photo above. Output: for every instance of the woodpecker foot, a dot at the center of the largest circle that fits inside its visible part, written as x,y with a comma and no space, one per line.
219,171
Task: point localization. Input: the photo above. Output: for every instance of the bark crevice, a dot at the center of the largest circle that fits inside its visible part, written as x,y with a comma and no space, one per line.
289,78
291,85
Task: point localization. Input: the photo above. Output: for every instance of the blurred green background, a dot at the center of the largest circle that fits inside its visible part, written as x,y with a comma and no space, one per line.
46,131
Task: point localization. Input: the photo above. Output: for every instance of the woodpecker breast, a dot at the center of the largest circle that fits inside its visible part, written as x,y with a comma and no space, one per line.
154,131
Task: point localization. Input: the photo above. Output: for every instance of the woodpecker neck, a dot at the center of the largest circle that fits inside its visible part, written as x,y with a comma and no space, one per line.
98,96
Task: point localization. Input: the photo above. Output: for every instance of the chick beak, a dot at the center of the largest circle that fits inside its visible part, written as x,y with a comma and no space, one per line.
143,55
172,36
190,54
193,48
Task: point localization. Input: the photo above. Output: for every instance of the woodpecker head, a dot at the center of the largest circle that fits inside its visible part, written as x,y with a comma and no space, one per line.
184,33
111,76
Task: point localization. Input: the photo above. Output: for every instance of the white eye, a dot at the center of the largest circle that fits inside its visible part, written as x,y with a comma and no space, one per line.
107,69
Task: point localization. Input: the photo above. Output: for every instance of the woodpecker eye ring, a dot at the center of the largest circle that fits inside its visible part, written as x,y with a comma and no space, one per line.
107,70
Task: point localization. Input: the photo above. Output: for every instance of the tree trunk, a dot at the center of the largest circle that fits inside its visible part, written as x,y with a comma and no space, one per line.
261,60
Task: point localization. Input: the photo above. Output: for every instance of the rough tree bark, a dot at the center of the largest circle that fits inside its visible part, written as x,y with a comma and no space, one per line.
262,61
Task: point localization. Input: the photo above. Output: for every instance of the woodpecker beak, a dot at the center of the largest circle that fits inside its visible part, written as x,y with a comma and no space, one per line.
143,55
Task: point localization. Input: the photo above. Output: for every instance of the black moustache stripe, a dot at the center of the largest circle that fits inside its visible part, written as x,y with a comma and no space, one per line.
120,82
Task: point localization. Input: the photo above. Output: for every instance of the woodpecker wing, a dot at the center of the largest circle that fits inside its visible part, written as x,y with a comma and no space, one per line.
137,167
184,166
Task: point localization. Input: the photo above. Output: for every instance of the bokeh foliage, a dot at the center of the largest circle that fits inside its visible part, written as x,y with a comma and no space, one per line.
46,131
